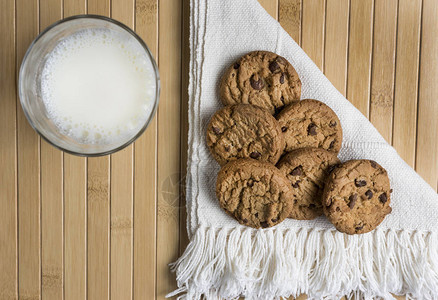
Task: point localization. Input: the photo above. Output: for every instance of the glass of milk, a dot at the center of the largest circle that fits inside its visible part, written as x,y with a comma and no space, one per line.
89,85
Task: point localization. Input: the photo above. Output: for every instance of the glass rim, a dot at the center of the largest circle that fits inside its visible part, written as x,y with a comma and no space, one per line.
148,52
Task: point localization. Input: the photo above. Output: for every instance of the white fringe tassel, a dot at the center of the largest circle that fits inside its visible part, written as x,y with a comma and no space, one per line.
324,264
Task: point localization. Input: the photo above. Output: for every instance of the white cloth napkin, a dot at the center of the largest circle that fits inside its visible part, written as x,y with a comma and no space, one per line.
227,260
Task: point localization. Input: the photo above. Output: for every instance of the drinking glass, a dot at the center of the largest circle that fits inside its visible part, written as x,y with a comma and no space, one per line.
29,85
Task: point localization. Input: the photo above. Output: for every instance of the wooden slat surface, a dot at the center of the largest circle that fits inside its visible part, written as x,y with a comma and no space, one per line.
360,54
101,228
145,173
8,154
427,130
28,171
336,43
312,31
289,15
169,61
383,66
404,133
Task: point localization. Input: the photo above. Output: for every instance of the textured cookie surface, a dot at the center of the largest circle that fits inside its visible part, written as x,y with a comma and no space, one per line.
255,193
263,79
243,130
356,196
307,169
310,123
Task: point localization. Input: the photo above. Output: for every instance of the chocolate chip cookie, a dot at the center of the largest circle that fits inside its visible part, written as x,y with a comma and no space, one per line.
243,130
356,196
307,170
255,193
310,123
263,79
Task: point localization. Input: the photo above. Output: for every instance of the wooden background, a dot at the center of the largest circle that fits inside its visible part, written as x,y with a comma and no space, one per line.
107,227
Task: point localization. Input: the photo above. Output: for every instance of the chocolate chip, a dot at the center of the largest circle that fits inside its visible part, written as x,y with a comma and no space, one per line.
282,78
359,227
295,184
373,164
332,144
352,199
383,198
329,202
390,190
227,148
360,183
295,201
274,220
338,209
369,194
236,66
331,168
250,183
283,129
281,60
311,129
297,171
256,214
264,224
273,66
332,123
216,130
232,75
255,155
245,221
256,82
239,150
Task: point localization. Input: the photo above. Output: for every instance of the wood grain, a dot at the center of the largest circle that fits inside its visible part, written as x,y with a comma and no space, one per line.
313,23
52,221
145,173
28,145
122,184
336,43
427,134
271,7
383,66
289,16
406,79
359,54
98,228
168,145
75,224
8,157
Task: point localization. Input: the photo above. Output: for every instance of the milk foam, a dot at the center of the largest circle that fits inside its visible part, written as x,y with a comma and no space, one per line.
98,87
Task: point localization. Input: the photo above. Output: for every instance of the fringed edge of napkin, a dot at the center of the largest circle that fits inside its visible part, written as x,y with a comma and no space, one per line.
227,263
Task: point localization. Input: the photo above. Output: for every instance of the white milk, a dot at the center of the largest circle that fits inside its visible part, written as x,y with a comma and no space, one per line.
98,87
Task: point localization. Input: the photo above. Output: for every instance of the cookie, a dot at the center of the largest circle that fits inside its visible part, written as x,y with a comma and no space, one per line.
255,193
243,130
356,196
263,79
310,123
307,170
